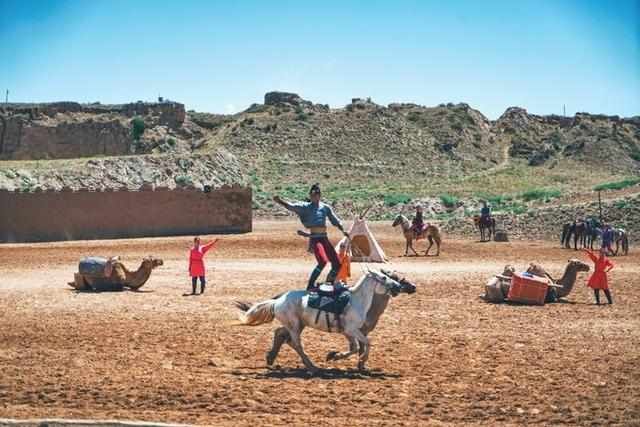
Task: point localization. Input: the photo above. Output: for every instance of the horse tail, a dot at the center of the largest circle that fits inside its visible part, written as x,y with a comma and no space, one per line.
262,312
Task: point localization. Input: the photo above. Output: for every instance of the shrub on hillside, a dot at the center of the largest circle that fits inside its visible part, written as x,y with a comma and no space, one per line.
540,194
137,128
391,200
449,200
617,185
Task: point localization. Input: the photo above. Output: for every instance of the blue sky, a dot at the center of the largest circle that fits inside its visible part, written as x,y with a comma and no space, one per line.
223,56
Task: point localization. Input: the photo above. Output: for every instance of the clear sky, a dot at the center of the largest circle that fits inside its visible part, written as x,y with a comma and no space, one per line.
222,56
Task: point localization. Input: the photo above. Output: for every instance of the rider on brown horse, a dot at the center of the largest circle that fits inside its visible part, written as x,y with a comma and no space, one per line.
417,224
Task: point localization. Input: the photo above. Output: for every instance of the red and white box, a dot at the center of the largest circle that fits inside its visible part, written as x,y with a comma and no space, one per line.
528,289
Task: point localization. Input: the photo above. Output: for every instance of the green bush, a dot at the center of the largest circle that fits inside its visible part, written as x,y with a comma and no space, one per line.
391,200
621,204
540,193
183,180
518,209
617,185
449,200
137,128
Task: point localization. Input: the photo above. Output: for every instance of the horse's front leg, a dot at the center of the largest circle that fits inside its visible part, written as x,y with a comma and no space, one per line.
364,348
353,349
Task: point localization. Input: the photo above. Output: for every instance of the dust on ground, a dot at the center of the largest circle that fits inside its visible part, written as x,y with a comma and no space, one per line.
439,357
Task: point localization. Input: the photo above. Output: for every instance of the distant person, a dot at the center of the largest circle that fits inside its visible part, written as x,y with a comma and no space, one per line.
485,212
345,262
196,263
607,239
313,215
598,279
417,223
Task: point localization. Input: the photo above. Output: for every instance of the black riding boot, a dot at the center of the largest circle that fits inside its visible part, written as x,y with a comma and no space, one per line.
193,288
596,293
202,285
607,293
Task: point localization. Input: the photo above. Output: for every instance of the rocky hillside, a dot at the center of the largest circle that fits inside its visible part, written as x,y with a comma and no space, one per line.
130,172
449,156
597,140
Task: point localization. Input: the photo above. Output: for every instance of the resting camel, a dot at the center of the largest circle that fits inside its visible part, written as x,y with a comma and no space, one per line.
431,232
484,225
116,276
497,288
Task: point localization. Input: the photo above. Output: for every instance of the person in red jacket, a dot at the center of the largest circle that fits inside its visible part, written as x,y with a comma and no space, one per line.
196,263
598,279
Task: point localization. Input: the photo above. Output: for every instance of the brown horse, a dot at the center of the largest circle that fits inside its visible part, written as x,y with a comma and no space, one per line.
431,232
485,224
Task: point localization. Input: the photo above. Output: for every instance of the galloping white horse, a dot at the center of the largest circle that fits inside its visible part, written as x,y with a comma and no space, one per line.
292,311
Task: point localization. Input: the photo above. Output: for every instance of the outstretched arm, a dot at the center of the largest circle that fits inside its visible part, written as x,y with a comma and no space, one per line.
335,221
591,255
208,246
293,207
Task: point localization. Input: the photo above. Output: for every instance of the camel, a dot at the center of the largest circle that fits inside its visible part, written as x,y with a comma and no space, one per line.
431,232
114,275
488,224
497,288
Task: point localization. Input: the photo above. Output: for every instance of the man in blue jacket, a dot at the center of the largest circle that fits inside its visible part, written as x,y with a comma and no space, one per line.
313,215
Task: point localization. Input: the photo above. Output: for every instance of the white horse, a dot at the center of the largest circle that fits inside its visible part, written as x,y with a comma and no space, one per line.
291,309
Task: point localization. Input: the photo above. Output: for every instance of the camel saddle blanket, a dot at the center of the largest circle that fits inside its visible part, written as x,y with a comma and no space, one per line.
95,266
332,300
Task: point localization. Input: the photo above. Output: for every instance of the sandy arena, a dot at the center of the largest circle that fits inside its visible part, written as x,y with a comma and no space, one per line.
439,357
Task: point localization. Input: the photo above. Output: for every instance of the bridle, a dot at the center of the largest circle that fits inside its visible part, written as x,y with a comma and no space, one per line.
390,285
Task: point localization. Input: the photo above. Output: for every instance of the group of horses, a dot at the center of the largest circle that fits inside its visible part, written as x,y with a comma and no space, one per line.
586,233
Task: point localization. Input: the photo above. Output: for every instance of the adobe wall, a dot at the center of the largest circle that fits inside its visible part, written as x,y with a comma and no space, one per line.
80,215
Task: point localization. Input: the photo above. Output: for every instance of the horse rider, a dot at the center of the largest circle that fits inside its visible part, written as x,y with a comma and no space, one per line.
485,212
607,239
313,215
417,224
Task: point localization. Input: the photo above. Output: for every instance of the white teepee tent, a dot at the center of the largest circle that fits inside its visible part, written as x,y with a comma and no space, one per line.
364,247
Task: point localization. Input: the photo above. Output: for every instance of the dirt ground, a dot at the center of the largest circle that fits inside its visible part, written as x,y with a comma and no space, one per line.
441,356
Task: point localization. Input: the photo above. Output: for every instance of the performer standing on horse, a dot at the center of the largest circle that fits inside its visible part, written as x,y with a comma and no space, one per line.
313,215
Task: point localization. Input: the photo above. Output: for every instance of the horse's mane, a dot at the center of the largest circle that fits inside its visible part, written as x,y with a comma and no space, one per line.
355,288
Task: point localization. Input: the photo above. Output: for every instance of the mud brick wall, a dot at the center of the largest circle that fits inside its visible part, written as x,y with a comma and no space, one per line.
80,215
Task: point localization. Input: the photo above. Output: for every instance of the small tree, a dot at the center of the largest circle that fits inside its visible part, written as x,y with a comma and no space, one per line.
137,128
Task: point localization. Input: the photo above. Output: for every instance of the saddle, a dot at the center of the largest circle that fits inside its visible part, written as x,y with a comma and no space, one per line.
420,234
97,266
329,298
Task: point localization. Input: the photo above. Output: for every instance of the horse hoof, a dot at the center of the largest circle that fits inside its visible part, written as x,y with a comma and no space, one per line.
361,366
331,355
270,359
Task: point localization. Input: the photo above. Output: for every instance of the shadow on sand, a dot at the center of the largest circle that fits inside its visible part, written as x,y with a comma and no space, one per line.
324,374
91,291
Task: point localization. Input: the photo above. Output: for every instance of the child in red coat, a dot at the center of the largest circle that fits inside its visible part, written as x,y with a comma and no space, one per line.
196,263
598,279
